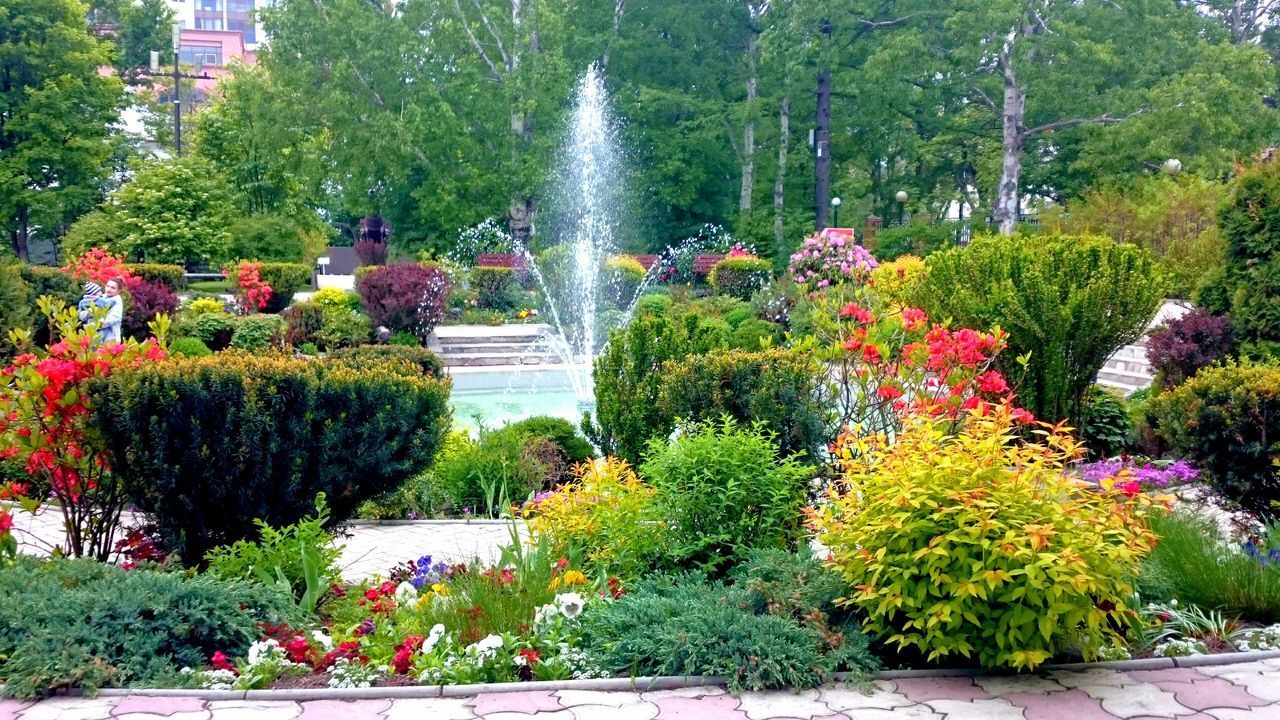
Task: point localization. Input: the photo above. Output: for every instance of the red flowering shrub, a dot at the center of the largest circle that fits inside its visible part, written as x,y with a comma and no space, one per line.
405,297
44,424
147,299
99,266
252,292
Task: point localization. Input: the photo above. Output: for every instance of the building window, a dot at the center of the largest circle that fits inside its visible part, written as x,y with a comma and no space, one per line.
242,26
240,6
204,23
209,5
201,55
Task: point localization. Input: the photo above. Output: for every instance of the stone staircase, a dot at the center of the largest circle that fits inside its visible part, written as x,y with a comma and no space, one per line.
481,346
1127,370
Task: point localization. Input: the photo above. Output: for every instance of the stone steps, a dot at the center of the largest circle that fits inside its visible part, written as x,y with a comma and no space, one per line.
1127,370
485,346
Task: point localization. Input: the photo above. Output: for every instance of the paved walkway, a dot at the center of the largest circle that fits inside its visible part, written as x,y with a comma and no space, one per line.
1228,692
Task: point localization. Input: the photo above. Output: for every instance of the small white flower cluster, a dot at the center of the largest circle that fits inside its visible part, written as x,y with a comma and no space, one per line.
212,679
1180,647
433,637
1258,639
581,664
1109,653
566,605
406,593
482,652
347,674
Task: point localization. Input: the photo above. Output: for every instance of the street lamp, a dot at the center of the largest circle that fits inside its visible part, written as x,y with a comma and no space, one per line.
1172,166
835,209
901,196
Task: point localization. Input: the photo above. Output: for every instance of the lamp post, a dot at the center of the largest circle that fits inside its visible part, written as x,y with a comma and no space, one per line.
835,211
901,196
1172,167
177,89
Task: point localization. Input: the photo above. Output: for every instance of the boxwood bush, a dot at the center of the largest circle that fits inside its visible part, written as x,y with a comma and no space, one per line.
425,361
256,333
174,276
740,276
206,445
496,288
1226,420
86,624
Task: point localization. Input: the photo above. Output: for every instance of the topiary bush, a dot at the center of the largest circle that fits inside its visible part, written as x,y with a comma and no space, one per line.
1182,346
740,276
43,280
146,299
559,431
978,545
756,334
496,288
256,333
344,329
723,489
777,388
420,358
623,276
207,445
895,282
407,297
173,276
627,381
214,330
1067,302
85,624
1251,279
1226,420
189,347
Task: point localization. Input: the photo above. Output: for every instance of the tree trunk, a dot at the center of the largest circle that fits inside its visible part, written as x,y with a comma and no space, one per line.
749,131
520,220
822,151
1007,200
779,186
20,237
619,7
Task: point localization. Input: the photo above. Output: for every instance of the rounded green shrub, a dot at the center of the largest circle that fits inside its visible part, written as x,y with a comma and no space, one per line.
1106,424
16,306
724,490
496,288
172,275
559,431
487,476
1226,420
422,359
189,347
623,275
207,445
214,330
740,276
259,332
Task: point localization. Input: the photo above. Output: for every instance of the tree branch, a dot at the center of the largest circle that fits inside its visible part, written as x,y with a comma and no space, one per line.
1104,119
506,59
475,42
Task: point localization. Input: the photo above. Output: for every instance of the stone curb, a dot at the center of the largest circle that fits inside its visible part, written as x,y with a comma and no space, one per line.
445,521
645,684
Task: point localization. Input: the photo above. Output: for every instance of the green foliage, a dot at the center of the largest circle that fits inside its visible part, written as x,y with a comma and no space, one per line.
371,356
176,211
1106,425
978,545
1251,278
740,277
272,238
344,329
775,388
1173,218
503,467
756,334
96,228
918,238
301,558
723,490
56,145
86,624
1194,564
420,497
1226,420
205,445
43,281
16,306
654,304
189,347
627,381
686,626
256,333
171,275
559,431
214,330
623,275
1068,302
496,288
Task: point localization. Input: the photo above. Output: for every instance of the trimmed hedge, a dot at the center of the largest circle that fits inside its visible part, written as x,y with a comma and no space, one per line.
740,276
206,445
623,276
16,307
496,288
285,279
364,356
173,276
256,333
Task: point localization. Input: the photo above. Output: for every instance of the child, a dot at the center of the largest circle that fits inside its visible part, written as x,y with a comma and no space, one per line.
93,298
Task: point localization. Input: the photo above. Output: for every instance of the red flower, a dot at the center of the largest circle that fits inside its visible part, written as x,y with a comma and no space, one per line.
858,313
913,319
562,563
6,522
298,650
220,661
871,355
404,653
531,656
1022,416
992,382
888,392
1130,488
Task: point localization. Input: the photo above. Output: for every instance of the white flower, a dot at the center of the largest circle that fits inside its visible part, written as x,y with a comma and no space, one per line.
406,592
544,617
491,642
433,637
265,651
570,604
323,639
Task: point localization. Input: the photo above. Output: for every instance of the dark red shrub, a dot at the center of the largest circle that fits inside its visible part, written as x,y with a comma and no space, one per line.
371,252
1183,346
405,297
147,298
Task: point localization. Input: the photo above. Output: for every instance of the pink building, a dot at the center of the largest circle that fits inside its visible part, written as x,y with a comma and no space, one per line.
211,53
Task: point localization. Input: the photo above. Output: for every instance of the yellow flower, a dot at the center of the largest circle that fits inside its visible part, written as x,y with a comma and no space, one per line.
574,577
441,590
